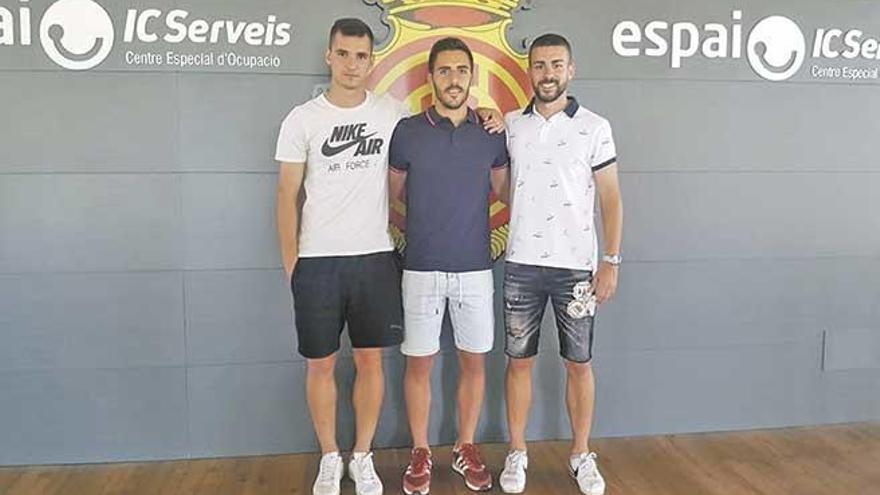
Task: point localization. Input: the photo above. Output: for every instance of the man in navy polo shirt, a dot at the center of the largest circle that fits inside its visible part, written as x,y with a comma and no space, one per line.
448,163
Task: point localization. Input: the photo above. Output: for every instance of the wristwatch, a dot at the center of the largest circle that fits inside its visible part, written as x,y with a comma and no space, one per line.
612,259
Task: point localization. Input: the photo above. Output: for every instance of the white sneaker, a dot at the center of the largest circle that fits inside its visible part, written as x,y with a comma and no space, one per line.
584,469
329,475
513,478
362,472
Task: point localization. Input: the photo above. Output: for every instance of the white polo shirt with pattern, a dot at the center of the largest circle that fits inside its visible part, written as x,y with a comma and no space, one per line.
552,187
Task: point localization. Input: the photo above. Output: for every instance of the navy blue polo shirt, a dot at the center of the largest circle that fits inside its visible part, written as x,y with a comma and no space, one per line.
448,182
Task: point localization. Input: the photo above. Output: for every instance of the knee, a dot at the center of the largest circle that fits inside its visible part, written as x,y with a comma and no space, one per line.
419,366
323,367
472,364
520,365
368,360
578,370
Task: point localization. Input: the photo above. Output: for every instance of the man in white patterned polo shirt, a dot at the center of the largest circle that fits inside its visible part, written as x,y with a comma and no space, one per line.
561,155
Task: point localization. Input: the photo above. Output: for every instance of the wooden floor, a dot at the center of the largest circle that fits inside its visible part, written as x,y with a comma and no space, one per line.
804,461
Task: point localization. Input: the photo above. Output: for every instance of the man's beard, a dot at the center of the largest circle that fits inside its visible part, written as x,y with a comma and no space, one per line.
560,88
450,103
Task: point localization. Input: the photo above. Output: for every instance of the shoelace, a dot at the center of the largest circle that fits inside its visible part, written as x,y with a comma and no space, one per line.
471,456
367,470
587,466
421,462
515,461
327,471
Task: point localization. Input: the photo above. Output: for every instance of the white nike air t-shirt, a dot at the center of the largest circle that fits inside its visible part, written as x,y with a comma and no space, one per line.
346,178
552,162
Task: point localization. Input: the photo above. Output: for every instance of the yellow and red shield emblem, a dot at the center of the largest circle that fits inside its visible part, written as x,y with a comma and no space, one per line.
500,79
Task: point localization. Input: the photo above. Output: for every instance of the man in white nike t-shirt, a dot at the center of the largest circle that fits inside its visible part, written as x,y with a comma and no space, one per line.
338,253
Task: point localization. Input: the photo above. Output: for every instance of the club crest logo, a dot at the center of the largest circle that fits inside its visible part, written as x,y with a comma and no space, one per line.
500,78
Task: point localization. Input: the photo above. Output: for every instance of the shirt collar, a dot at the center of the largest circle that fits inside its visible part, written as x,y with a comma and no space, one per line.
571,107
435,118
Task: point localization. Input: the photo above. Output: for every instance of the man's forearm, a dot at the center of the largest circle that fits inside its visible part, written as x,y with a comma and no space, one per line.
501,185
612,223
396,183
288,226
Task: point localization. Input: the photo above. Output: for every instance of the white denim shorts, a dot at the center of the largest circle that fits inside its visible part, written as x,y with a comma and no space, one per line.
470,299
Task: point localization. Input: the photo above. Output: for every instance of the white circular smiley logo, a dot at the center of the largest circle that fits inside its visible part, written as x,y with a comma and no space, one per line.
776,48
76,34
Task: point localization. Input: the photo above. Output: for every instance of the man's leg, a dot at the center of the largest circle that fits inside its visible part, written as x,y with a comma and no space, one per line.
472,312
417,388
369,389
317,301
423,308
471,390
375,321
524,303
574,320
519,399
321,396
473,321
580,398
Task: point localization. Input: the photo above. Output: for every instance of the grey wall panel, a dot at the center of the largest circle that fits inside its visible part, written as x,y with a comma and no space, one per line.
704,125
717,215
709,389
89,222
231,122
239,317
856,292
67,122
735,302
851,348
113,320
248,409
229,221
64,416
846,396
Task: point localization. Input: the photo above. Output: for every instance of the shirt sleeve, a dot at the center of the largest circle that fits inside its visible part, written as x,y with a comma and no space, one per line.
604,152
501,159
293,142
397,156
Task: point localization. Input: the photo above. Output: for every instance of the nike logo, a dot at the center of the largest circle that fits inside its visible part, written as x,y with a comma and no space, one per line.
329,150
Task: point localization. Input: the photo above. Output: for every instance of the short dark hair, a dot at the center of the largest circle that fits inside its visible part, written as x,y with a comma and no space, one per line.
349,26
550,39
448,45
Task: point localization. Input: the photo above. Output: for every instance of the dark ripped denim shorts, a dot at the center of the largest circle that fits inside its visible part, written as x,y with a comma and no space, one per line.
526,290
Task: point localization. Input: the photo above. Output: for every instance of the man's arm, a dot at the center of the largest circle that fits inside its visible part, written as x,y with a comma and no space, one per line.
396,183
290,179
501,183
611,203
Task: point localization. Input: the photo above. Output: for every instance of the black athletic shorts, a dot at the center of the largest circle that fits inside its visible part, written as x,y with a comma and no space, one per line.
363,291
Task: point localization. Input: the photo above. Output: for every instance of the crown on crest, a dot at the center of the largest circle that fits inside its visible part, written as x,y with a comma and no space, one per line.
490,9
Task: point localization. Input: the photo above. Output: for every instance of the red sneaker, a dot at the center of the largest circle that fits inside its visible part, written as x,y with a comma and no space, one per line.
417,477
467,462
